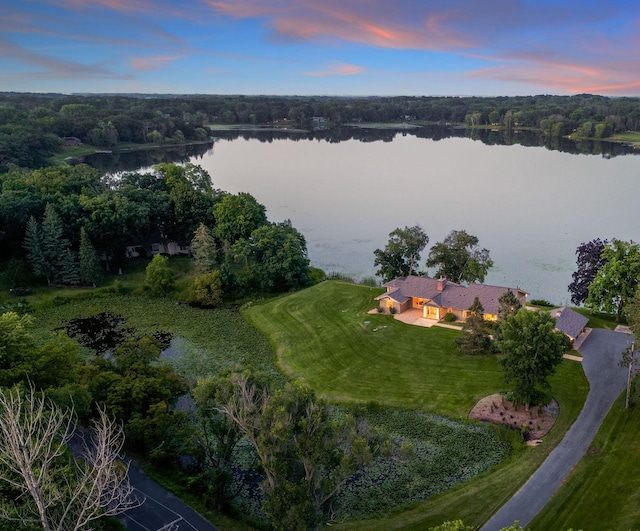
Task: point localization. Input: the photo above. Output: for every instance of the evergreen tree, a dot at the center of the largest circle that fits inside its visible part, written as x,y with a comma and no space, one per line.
35,252
203,248
474,338
56,249
68,272
508,305
89,263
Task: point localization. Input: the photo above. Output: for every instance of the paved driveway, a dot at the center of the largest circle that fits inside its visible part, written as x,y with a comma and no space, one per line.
601,354
161,510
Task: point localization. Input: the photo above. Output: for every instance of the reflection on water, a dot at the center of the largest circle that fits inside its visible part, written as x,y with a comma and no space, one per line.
530,206
134,160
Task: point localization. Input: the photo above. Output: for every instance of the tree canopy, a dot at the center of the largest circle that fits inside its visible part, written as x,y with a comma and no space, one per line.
402,252
474,338
616,282
532,349
589,261
459,259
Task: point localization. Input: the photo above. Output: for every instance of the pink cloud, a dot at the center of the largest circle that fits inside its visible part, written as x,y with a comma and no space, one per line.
152,63
338,69
573,78
50,64
375,23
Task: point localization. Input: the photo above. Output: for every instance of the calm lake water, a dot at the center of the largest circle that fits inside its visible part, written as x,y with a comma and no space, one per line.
530,206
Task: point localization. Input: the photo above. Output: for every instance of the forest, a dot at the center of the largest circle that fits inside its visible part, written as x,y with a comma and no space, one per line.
34,127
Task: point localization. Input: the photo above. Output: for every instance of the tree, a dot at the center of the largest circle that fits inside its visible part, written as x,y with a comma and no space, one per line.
35,253
401,253
53,364
474,338
305,456
54,244
508,304
203,248
57,492
112,219
48,251
459,259
89,264
159,278
237,216
616,281
207,289
217,436
139,390
277,257
589,261
532,349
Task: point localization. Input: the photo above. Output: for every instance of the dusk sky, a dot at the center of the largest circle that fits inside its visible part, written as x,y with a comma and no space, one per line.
327,47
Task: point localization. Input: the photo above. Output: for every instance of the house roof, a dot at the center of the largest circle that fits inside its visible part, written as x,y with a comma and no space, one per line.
569,321
451,295
395,295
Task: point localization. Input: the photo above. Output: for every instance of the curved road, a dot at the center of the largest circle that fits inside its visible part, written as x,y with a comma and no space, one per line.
601,353
161,510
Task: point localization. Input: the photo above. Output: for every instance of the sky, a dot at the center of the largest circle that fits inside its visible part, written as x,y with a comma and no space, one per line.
322,47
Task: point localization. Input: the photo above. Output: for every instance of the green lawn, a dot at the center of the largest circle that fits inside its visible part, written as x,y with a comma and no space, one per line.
325,338
475,501
604,490
599,319
322,337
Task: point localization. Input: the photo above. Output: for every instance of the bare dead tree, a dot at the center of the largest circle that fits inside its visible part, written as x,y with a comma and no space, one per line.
60,493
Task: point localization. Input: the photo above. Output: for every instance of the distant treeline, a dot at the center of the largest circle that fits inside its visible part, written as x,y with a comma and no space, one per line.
33,126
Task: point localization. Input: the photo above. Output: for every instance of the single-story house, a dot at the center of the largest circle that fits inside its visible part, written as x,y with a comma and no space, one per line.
570,322
437,297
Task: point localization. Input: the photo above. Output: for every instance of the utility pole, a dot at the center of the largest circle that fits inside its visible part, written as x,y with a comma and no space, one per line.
631,360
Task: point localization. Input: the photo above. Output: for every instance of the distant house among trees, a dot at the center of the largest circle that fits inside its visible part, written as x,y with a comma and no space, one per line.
437,297
137,249
71,141
569,322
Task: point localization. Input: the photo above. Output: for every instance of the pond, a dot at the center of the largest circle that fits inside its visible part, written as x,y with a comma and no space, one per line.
529,205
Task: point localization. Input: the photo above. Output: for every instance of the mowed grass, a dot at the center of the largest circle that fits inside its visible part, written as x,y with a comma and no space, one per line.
324,337
477,500
604,490
321,337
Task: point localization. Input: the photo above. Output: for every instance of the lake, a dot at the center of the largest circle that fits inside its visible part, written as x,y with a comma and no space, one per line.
530,206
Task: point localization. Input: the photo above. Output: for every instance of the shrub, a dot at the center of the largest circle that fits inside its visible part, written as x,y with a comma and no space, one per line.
316,275
449,317
393,310
339,276
541,302
160,279
207,290
372,282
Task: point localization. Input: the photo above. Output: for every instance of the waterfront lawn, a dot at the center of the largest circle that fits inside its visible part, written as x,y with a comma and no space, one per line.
603,491
322,337
477,500
325,338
